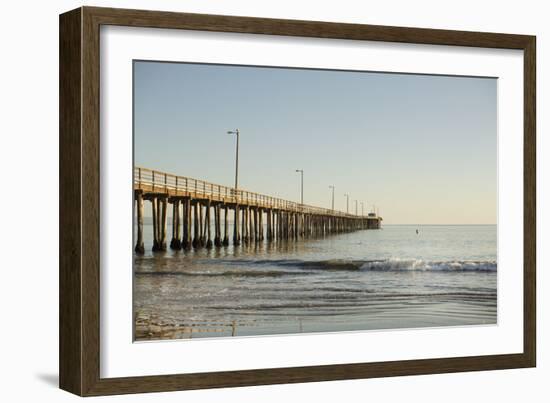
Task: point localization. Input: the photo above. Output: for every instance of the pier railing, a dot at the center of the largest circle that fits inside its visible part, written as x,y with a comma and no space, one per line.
153,181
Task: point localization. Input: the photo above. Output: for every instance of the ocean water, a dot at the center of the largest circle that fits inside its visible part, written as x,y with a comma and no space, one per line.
373,279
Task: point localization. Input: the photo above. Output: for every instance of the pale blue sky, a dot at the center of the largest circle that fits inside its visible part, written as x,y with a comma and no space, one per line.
421,148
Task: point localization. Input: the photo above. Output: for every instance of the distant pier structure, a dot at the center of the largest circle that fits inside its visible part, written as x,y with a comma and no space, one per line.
202,213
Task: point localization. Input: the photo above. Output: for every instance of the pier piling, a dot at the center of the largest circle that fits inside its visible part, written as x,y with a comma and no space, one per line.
217,217
225,241
196,233
175,243
236,232
209,243
139,248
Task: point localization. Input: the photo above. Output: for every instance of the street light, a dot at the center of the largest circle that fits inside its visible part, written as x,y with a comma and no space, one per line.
236,236
355,207
347,202
332,187
362,209
302,186
236,132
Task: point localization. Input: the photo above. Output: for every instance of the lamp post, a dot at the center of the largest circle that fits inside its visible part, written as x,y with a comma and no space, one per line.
355,207
302,185
236,234
362,209
236,132
332,187
347,203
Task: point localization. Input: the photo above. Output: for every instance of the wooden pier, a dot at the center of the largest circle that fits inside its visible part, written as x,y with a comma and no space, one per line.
201,214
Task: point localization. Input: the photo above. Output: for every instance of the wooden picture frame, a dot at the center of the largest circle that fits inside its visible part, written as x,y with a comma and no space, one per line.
79,201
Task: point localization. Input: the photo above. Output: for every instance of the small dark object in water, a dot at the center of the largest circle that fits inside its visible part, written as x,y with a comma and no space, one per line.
417,232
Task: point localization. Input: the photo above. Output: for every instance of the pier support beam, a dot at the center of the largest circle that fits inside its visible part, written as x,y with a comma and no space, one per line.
159,222
225,241
279,225
196,233
175,243
268,226
186,216
154,209
178,224
244,224
217,226
139,211
236,232
252,224
261,224
164,204
202,237
207,224
253,232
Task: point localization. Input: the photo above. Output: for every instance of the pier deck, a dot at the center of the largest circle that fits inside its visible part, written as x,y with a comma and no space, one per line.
197,203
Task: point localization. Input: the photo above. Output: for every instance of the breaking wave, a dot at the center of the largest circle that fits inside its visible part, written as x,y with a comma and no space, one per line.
277,268
381,265
422,265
